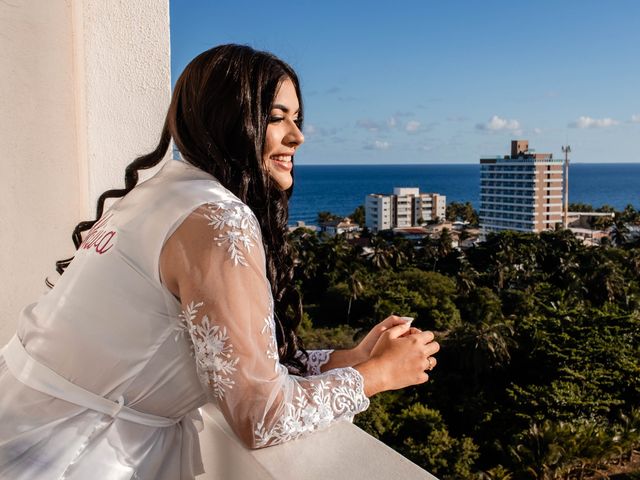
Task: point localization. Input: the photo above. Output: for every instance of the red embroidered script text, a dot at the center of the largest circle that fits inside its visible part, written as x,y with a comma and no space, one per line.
99,238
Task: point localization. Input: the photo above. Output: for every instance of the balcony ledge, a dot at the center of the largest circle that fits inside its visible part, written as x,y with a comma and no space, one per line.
343,451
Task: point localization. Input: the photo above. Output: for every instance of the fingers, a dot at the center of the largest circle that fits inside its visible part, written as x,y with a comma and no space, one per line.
398,330
425,337
412,331
393,320
431,363
431,349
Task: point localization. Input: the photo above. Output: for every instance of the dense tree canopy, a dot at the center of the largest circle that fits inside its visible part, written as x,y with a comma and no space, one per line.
539,372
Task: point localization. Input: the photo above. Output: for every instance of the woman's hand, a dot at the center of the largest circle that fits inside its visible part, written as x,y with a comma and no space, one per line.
362,351
398,359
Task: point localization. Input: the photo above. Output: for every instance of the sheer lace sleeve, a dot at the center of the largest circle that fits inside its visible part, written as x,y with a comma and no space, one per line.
316,360
217,261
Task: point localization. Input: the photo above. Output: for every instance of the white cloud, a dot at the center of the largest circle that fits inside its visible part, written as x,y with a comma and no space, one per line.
588,122
635,118
497,124
412,126
537,131
314,131
369,125
378,145
391,122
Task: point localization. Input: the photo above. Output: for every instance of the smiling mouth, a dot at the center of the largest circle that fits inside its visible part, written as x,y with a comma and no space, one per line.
282,158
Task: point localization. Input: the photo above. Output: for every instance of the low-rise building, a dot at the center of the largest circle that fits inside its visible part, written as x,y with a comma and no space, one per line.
340,226
588,236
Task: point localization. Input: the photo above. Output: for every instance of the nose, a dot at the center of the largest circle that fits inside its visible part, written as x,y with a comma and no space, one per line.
295,137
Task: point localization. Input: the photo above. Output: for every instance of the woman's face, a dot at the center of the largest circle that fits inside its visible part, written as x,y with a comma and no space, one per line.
283,136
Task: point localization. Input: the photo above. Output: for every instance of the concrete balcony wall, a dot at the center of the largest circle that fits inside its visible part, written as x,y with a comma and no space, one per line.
85,87
342,452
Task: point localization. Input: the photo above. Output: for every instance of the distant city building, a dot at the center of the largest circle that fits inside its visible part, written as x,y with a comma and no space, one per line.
302,224
583,226
521,191
407,207
589,236
339,227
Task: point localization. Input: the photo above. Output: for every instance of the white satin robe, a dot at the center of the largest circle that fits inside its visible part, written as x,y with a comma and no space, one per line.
111,327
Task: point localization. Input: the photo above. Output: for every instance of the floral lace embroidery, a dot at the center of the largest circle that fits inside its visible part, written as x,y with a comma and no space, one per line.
317,408
211,348
242,228
269,329
317,358
272,348
327,403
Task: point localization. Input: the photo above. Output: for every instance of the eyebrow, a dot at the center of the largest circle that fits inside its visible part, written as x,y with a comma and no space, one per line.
279,106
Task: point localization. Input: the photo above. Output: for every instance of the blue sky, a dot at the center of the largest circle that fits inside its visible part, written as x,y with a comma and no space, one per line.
442,82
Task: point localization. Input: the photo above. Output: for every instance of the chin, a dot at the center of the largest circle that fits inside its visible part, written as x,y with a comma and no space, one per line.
285,185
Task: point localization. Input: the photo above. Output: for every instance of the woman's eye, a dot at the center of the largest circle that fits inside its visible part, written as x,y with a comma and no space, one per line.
275,119
298,122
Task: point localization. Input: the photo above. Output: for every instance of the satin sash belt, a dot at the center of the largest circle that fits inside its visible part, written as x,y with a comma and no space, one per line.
41,378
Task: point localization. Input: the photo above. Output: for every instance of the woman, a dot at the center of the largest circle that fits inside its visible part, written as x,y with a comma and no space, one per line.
182,293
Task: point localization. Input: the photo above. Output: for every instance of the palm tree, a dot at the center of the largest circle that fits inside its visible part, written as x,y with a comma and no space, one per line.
444,243
398,253
540,450
304,244
589,447
496,473
354,283
628,433
619,232
380,254
605,282
466,277
481,348
334,251
426,256
630,214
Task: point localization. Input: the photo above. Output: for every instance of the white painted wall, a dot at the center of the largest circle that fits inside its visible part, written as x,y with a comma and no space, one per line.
85,87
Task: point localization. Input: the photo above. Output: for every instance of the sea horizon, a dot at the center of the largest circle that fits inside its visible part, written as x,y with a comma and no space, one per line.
571,162
340,188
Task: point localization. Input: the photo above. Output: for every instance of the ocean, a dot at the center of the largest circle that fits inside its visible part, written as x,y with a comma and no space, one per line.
341,188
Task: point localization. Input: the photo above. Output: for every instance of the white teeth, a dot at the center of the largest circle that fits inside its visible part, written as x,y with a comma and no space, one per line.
282,158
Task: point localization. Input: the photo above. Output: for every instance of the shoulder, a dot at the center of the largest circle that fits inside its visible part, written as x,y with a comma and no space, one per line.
231,215
214,235
235,225
185,192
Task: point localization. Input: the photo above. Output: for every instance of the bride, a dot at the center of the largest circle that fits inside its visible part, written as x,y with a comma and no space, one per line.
181,293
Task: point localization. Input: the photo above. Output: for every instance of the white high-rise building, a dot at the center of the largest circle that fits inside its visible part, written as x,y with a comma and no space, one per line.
407,207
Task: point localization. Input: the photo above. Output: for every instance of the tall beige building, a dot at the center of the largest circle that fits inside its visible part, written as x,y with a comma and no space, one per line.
407,207
521,191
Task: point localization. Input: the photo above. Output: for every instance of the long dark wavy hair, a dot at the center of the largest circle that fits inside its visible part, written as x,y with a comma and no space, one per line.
218,119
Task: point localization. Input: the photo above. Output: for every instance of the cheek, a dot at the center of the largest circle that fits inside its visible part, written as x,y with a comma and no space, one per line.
269,142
